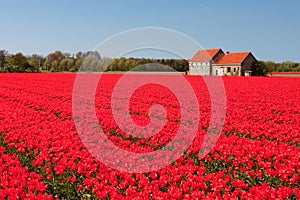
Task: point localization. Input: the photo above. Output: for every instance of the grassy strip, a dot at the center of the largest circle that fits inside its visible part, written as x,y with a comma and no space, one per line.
260,138
215,166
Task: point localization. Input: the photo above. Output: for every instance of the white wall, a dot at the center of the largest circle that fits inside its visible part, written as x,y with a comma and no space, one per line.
202,69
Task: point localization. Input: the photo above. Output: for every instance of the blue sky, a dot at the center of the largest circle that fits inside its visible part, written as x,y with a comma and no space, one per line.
270,28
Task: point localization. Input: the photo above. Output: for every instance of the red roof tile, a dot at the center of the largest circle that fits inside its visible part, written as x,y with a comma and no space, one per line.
204,55
233,58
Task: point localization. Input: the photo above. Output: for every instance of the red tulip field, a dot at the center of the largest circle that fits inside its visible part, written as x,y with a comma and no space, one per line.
42,156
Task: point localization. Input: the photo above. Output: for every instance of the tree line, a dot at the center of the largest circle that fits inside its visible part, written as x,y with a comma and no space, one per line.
87,61
92,61
261,68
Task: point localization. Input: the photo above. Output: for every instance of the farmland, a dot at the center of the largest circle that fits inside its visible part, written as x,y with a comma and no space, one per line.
256,157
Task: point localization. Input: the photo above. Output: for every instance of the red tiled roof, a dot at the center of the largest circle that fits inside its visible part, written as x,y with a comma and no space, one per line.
233,58
204,55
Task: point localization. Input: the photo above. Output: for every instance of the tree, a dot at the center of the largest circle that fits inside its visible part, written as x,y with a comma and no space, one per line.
259,69
86,64
79,55
3,54
95,54
128,64
105,63
288,67
78,63
19,63
271,66
36,62
54,66
66,55
95,65
63,66
59,55
70,64
113,66
46,65
120,65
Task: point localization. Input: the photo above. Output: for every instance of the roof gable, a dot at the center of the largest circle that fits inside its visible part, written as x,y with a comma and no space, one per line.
205,55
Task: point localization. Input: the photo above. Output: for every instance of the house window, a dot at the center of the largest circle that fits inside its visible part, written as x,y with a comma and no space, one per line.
216,72
234,69
228,69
